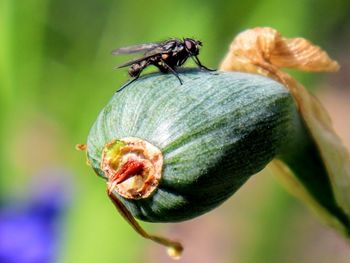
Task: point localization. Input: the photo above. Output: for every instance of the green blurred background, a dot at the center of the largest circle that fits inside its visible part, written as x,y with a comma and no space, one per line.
56,73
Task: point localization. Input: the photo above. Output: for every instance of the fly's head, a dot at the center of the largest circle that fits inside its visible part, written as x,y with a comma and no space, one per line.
192,46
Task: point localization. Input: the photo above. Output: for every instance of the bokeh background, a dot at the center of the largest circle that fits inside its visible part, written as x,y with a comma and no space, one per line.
56,74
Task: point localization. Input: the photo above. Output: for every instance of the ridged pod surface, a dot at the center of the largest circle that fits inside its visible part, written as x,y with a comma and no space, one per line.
214,132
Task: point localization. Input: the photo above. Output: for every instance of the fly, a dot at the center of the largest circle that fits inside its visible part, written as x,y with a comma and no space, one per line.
167,56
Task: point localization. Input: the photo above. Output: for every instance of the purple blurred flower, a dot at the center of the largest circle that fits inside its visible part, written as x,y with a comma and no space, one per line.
29,230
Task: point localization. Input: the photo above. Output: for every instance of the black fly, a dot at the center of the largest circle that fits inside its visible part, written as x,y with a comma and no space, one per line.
166,56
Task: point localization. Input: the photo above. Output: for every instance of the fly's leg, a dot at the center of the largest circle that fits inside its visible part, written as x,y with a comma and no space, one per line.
128,83
200,65
135,72
166,66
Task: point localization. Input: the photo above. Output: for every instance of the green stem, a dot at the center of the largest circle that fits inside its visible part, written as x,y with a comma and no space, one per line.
174,248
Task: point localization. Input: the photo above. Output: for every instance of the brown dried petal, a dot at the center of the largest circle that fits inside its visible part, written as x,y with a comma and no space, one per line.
264,51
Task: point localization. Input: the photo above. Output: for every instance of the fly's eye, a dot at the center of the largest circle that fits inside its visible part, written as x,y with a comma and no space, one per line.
191,45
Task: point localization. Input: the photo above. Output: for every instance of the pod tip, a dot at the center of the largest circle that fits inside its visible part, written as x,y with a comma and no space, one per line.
175,251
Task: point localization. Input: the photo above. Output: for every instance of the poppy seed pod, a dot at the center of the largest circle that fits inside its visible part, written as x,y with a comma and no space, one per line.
171,152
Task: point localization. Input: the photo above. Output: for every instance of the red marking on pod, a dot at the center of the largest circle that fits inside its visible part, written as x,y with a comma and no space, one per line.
129,169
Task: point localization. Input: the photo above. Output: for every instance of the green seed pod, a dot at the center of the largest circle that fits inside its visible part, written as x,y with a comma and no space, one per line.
172,152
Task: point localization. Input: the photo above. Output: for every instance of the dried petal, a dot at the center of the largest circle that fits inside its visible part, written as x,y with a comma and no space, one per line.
265,51
299,53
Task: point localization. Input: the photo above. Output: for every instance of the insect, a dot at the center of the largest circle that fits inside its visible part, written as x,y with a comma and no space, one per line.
167,56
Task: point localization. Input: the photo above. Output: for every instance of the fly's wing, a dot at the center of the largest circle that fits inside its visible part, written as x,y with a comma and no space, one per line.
135,49
151,53
131,62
